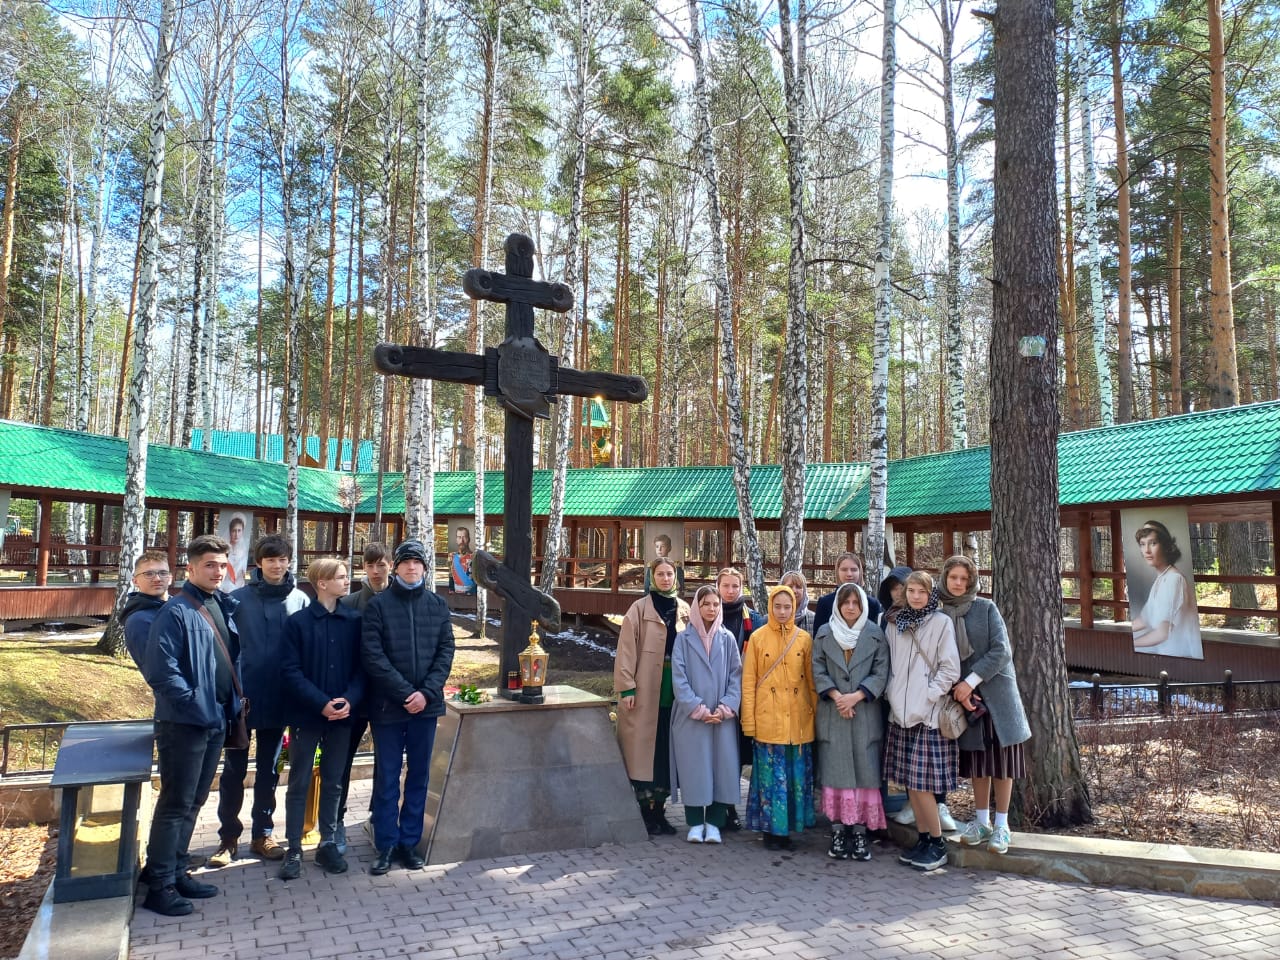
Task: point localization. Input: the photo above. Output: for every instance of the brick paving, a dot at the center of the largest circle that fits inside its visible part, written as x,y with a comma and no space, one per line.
678,901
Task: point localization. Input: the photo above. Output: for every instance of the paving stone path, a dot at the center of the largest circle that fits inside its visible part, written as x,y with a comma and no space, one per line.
678,901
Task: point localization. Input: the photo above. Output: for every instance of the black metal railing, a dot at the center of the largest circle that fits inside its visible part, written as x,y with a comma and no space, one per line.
1112,701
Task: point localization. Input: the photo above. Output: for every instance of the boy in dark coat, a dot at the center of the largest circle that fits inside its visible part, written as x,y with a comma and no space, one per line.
407,651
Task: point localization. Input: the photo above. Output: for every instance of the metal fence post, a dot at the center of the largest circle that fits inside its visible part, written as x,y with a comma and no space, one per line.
1228,693
1095,696
1164,693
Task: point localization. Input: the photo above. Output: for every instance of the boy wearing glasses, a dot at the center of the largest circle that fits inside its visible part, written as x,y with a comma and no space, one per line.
151,579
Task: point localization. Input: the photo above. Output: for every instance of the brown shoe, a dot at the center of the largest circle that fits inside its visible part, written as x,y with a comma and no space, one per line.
227,851
266,848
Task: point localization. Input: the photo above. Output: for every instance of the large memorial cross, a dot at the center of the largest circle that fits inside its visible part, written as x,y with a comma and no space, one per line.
525,379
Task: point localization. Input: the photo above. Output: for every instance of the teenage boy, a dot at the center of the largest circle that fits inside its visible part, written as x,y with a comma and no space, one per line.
190,657
266,602
407,651
151,579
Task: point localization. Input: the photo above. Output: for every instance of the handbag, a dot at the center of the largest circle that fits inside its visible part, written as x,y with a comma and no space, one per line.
238,726
951,716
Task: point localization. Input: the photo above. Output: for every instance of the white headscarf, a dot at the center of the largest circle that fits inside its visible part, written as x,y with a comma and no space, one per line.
847,636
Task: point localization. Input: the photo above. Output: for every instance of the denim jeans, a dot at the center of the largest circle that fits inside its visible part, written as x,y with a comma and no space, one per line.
231,789
408,742
332,740
188,757
358,726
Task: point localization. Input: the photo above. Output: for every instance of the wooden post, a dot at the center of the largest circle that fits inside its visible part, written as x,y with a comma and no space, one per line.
910,534
1118,578
571,566
94,557
1085,578
44,535
171,537
615,554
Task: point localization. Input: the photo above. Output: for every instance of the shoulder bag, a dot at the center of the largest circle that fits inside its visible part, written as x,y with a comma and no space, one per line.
952,719
237,728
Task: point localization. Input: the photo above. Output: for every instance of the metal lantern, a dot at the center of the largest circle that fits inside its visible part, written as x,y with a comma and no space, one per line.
533,668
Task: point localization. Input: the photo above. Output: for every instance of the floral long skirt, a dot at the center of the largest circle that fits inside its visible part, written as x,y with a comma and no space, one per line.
780,800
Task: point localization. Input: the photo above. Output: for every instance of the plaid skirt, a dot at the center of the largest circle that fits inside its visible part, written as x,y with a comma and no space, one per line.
994,760
920,758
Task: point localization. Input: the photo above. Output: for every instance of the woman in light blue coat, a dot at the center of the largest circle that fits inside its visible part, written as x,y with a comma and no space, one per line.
706,675
991,752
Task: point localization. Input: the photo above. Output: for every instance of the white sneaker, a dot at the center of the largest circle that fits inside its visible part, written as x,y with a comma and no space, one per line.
975,833
906,816
712,834
945,820
1000,840
696,833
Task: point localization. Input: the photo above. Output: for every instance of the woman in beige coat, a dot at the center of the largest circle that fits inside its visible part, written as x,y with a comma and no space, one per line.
642,679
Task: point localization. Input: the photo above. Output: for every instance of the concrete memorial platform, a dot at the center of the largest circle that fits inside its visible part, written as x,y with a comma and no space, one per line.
511,778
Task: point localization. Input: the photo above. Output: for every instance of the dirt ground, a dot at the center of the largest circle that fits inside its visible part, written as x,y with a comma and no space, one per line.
1206,782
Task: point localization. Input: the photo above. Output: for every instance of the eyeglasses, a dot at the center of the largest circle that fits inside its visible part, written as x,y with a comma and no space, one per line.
155,574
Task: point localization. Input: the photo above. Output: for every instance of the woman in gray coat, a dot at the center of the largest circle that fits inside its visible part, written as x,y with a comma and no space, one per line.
991,753
706,677
850,670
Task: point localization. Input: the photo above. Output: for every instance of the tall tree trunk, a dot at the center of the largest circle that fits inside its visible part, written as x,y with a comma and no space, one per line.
1176,402
551,546
879,486
46,409
8,224
420,465
1124,363
796,403
1223,373
1067,297
1024,405
724,294
1093,256
134,514
955,327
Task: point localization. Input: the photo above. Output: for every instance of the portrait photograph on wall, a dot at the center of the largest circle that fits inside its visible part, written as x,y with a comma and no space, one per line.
665,539
462,549
1161,587
235,527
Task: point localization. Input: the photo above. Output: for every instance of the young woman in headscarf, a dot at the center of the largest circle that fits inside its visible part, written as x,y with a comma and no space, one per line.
778,712
800,588
850,670
739,620
642,679
706,674
923,667
991,750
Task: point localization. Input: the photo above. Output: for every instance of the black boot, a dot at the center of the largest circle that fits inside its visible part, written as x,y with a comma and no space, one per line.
731,822
664,825
650,824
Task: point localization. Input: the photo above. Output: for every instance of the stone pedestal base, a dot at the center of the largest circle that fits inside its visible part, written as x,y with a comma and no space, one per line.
510,778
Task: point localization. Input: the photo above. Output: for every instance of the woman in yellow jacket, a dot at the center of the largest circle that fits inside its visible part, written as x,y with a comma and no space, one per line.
778,705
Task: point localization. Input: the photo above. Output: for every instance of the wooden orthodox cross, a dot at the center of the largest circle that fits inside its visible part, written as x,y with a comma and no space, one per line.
525,379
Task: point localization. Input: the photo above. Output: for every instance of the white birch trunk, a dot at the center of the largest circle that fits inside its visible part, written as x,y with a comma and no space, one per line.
564,410
481,436
384,228
133,520
1092,256
879,492
729,365
955,328
420,461
795,408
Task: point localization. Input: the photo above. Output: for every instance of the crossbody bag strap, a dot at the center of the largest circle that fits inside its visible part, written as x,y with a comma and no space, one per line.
791,643
217,635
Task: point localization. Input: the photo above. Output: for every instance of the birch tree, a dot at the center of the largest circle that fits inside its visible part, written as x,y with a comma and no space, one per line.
879,485
419,481
582,33
134,514
1093,256
796,402
705,151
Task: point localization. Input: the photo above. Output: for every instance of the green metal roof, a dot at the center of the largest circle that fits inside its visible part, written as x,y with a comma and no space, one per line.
1212,453
244,443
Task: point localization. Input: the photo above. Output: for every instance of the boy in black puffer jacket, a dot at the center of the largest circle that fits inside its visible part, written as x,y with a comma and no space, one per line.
407,651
